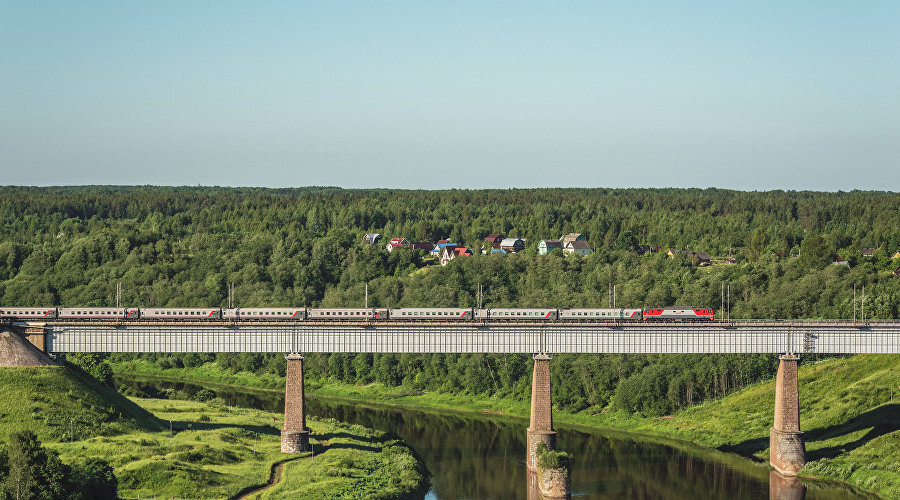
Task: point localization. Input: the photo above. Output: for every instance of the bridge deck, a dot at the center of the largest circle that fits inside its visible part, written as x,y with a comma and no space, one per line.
738,336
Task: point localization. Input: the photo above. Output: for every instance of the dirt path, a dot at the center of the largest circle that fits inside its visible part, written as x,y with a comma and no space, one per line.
274,478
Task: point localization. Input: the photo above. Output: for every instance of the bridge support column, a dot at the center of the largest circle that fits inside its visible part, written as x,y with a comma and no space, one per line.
294,434
541,428
787,453
37,337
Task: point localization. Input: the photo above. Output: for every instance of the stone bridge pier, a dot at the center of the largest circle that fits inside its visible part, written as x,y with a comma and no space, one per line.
294,434
787,453
541,428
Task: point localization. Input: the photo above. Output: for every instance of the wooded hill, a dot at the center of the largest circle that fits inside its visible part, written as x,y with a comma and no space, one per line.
293,247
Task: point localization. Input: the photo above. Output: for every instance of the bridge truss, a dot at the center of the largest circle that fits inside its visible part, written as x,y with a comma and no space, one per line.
823,337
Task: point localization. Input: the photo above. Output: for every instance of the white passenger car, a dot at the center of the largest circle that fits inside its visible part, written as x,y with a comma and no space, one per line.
431,313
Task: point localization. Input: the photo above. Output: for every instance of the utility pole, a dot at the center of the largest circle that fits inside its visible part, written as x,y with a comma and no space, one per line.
367,295
863,305
118,295
231,295
854,302
729,302
722,307
480,295
614,296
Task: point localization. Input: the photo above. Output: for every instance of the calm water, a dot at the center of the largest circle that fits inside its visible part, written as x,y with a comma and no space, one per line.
482,457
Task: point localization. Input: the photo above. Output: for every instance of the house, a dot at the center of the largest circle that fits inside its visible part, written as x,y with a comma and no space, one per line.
730,260
546,246
578,247
397,243
702,258
499,251
868,252
838,261
493,240
896,255
449,253
896,272
425,245
372,238
436,249
572,237
642,249
513,245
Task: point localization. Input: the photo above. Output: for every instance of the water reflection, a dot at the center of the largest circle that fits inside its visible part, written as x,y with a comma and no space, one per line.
785,488
475,456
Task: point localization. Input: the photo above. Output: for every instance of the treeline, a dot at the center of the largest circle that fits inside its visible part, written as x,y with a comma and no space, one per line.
30,471
183,246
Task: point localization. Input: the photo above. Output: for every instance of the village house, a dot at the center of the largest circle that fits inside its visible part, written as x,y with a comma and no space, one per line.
436,249
572,237
546,246
896,272
372,238
838,261
513,245
702,258
424,245
868,252
896,255
397,243
449,253
578,247
492,240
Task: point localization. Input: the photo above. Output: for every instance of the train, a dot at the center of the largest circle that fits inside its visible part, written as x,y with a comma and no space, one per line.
674,313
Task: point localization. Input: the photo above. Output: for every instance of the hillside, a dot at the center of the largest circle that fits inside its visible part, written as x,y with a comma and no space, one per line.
54,401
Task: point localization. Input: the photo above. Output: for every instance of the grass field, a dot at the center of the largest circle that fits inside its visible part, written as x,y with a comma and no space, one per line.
212,451
850,415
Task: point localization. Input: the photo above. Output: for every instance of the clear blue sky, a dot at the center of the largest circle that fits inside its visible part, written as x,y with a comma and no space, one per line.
746,95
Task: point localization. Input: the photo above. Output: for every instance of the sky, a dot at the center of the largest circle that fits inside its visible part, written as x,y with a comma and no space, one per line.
743,95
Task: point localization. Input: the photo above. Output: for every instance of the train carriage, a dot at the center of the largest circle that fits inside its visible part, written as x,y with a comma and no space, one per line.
516,314
345,313
195,313
608,314
265,313
91,313
431,313
27,312
678,313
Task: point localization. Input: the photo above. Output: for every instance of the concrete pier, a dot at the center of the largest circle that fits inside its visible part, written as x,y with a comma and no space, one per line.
787,453
294,434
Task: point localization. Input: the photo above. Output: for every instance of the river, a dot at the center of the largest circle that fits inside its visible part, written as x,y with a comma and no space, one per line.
473,456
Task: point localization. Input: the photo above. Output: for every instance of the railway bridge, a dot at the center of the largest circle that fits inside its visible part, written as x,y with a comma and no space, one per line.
787,338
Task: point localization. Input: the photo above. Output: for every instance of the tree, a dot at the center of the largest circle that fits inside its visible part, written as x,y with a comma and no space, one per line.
758,243
814,253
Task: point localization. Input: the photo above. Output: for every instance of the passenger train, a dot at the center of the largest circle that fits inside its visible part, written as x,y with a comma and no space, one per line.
348,314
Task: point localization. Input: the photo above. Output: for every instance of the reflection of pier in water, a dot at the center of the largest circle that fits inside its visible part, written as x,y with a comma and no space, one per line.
785,488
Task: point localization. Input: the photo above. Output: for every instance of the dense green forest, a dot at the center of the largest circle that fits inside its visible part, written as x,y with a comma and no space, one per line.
295,247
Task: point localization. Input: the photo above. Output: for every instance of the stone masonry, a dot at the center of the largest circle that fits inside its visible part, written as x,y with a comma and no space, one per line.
787,453
294,434
541,428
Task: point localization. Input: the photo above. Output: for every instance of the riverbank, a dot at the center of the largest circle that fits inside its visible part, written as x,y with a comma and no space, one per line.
849,419
193,449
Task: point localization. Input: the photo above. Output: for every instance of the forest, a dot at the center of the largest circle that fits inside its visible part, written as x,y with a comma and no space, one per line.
183,246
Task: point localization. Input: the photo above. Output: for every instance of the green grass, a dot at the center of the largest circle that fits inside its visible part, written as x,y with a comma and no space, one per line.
213,451
62,403
851,426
